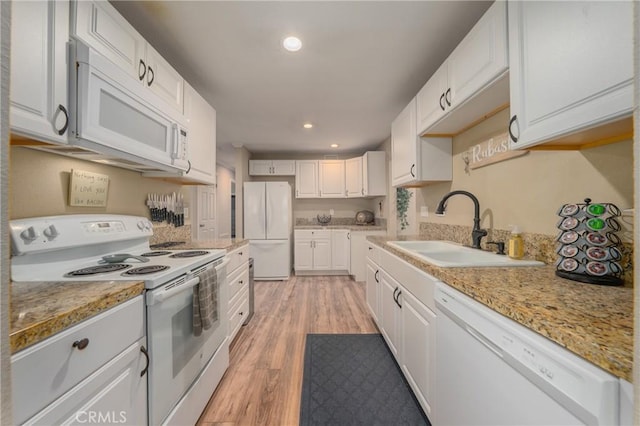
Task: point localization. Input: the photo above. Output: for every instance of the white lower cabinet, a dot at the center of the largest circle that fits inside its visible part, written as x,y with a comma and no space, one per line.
238,285
322,251
93,372
359,252
400,297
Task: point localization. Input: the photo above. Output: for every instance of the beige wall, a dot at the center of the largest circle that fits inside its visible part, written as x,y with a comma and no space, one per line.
224,177
39,182
242,176
529,190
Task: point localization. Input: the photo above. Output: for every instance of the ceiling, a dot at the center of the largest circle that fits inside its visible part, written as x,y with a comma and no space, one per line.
361,62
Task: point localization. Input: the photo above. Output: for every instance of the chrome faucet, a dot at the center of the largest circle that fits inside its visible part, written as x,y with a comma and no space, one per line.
476,233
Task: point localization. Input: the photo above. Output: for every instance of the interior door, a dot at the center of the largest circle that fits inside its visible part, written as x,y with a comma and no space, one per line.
206,196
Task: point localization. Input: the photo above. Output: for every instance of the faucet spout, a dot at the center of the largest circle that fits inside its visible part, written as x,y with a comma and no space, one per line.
476,233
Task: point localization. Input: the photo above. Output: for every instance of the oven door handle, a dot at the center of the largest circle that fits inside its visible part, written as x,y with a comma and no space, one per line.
154,297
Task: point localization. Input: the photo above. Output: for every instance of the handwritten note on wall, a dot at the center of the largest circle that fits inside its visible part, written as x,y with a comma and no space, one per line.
88,189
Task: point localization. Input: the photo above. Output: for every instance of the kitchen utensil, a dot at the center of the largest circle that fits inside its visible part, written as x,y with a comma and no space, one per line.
121,257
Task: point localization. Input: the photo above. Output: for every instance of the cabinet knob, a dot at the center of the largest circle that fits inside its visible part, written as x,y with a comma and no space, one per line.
81,344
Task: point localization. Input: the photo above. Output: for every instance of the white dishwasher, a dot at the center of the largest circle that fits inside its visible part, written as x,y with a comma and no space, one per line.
494,371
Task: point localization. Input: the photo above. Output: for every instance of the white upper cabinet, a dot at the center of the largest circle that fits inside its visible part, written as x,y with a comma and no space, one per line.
99,25
272,167
571,67
307,179
353,177
374,174
414,159
477,68
201,119
39,106
331,179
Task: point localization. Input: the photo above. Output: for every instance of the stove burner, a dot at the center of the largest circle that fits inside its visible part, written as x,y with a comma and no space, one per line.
144,270
166,244
155,253
193,253
92,270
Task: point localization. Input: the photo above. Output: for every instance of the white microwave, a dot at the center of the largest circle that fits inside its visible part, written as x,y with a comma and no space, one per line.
115,116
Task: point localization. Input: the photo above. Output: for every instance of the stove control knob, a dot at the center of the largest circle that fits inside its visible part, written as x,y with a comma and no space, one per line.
51,232
141,225
148,226
29,234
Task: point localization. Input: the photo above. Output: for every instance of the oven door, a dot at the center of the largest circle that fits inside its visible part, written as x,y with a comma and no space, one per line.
177,356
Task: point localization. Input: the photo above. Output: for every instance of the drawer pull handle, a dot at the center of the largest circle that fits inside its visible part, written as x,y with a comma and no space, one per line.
241,313
240,282
240,253
146,355
81,344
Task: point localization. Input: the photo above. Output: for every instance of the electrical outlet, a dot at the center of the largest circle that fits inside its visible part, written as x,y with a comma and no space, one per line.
424,211
186,212
331,212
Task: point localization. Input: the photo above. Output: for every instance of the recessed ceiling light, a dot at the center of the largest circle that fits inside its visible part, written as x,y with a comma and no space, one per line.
292,44
307,125
334,145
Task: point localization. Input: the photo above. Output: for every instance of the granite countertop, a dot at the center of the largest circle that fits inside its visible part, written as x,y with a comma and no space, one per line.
592,321
222,243
42,309
350,227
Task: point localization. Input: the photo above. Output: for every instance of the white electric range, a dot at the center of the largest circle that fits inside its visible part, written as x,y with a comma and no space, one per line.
116,248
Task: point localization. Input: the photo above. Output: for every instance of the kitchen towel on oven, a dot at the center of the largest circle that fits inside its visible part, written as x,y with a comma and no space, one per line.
205,301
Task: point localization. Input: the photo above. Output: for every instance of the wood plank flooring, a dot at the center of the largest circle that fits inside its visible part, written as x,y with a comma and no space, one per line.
263,383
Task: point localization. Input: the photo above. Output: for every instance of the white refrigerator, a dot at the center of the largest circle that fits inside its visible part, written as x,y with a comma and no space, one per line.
267,226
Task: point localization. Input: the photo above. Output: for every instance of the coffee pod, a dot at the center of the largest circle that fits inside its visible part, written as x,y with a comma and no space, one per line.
603,253
595,210
595,238
569,210
568,237
568,223
602,268
568,250
571,265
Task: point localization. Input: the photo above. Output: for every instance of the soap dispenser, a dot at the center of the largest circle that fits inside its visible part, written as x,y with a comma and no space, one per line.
516,244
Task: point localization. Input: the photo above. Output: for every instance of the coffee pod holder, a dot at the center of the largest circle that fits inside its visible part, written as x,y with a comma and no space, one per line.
583,226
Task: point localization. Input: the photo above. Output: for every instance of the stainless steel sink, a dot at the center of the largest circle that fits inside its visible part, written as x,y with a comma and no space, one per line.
447,254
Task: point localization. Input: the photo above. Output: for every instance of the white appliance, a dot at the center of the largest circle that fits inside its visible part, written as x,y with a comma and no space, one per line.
493,371
116,120
184,369
267,226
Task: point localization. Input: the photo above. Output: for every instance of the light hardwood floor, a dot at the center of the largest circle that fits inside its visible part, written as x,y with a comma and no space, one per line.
263,383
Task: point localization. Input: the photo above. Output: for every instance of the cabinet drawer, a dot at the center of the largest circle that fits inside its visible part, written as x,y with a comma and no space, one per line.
419,283
43,372
237,280
238,313
237,257
373,252
312,233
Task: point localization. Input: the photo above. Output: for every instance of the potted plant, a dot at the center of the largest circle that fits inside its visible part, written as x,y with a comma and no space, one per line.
403,197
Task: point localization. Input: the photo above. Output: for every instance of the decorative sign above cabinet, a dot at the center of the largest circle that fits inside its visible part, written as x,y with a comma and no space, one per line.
87,189
490,151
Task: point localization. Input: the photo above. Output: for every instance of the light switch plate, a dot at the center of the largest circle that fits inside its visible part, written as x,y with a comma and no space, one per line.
331,212
424,211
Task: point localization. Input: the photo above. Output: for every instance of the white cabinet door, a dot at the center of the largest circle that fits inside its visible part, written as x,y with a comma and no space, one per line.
404,146
374,174
480,57
418,348
39,106
372,288
571,67
260,167
163,80
431,100
340,249
284,167
307,179
100,26
303,254
201,120
322,254
389,312
331,178
353,177
117,392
